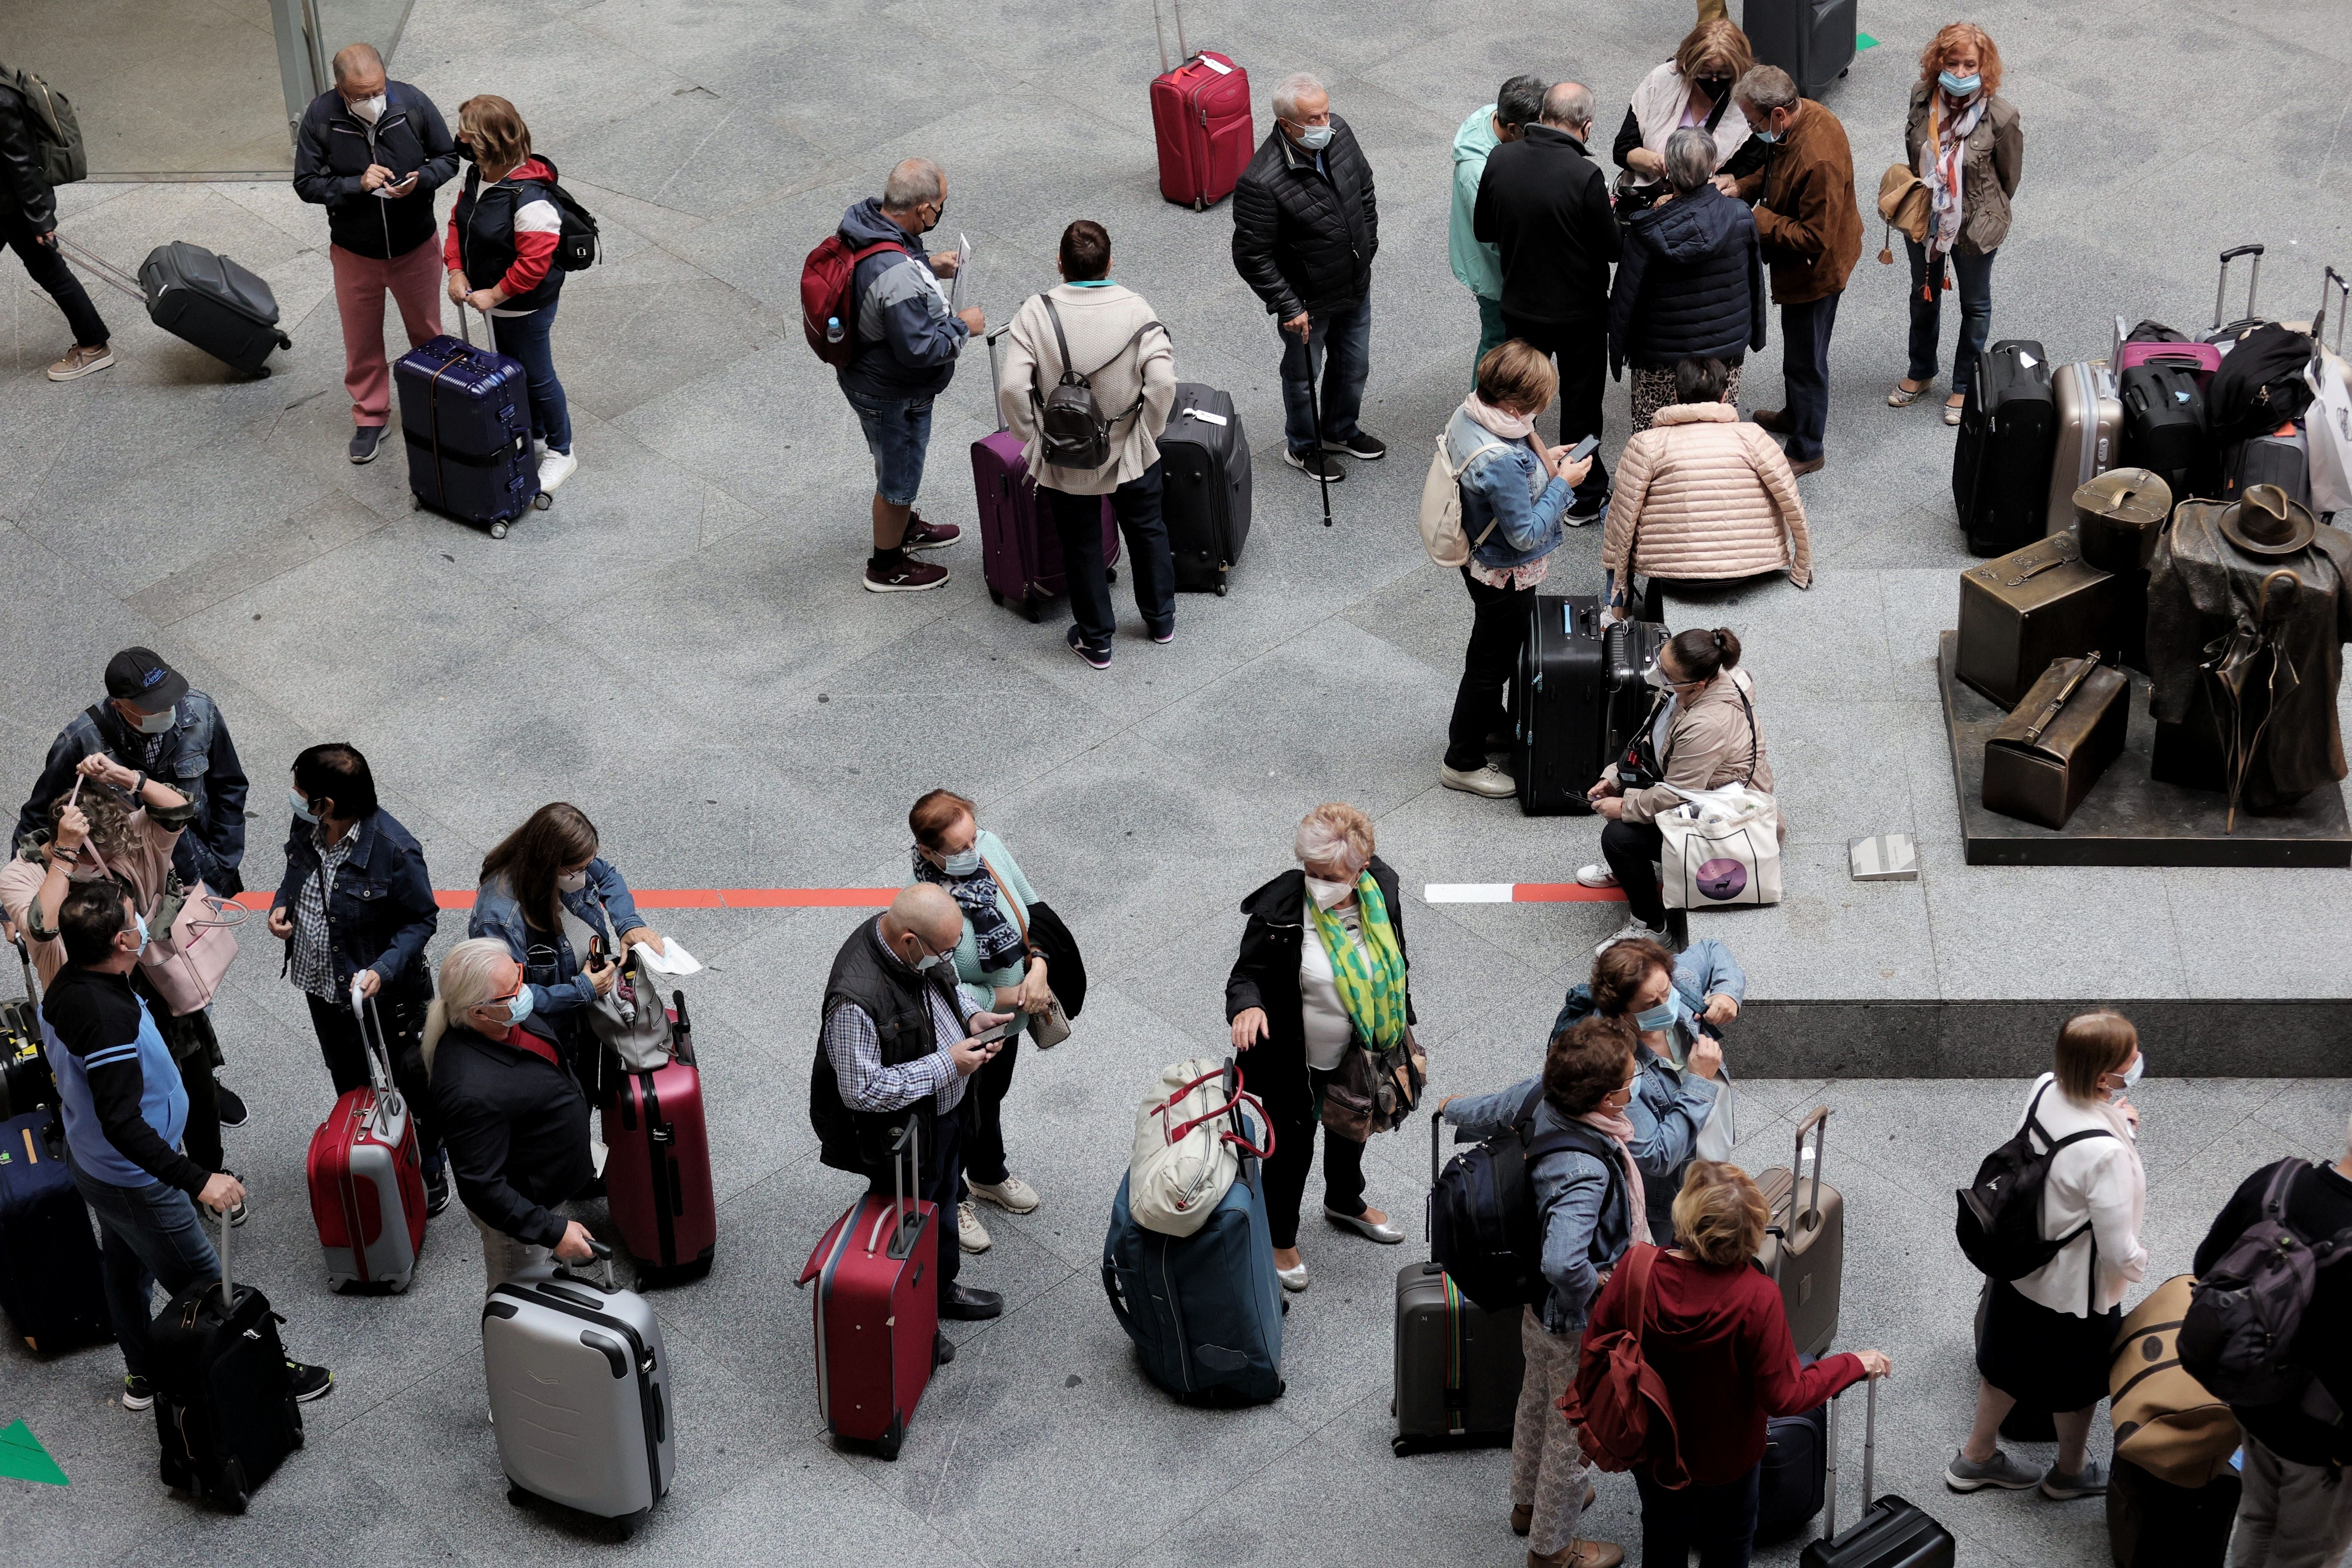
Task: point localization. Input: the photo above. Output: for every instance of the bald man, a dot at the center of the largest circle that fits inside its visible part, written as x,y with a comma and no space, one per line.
373,151
898,1039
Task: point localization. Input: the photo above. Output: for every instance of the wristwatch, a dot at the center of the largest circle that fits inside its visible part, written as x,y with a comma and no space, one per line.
138,785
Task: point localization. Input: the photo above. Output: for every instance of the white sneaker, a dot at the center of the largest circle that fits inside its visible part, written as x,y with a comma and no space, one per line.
1012,1195
971,1235
1595,877
554,470
1490,781
1635,928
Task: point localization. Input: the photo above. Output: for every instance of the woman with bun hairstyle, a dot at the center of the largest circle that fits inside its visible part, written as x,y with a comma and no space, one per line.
1703,735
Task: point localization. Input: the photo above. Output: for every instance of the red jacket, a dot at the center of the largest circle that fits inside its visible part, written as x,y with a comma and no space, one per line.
1719,1340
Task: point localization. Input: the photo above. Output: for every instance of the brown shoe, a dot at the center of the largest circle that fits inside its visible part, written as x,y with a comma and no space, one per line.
80,362
1807,466
1579,1554
1776,420
1523,1518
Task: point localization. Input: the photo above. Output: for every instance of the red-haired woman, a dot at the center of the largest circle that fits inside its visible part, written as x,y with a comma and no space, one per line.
1964,140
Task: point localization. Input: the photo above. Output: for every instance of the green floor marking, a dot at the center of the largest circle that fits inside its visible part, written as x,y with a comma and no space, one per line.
1864,41
23,1458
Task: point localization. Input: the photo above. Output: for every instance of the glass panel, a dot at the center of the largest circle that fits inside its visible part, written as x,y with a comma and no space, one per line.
133,68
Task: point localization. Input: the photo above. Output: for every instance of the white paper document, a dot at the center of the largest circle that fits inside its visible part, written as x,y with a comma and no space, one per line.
957,291
672,960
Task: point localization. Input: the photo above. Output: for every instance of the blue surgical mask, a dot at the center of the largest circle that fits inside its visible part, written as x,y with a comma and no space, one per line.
301,807
963,865
518,1007
1652,1019
1315,138
1765,134
1959,86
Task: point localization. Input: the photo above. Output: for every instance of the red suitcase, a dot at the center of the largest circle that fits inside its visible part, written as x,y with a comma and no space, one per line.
367,1180
1019,548
1200,114
877,1307
657,1169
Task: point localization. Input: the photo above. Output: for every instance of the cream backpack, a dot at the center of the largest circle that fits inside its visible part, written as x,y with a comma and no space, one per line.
1441,504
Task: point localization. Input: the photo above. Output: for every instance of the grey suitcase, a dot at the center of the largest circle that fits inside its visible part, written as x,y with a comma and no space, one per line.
580,1394
2089,412
1458,1366
1805,1246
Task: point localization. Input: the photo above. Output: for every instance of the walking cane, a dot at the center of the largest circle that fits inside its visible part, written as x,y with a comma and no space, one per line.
1314,411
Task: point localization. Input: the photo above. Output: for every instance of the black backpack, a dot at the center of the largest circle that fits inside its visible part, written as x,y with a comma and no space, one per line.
1485,1228
2244,1315
1071,429
576,244
2259,385
1999,1224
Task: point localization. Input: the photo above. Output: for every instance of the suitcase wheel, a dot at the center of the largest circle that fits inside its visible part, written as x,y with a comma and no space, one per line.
517,1496
995,598
626,1525
232,1493
1221,588
886,1444
1110,573
497,531
541,502
1029,608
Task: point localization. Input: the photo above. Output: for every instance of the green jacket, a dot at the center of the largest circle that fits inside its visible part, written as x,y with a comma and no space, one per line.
980,984
1478,267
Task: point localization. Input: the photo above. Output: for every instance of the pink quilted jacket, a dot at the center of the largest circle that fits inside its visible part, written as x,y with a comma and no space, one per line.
1701,494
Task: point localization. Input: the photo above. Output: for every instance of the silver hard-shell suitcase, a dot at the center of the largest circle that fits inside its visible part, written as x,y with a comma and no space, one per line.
2090,419
579,1382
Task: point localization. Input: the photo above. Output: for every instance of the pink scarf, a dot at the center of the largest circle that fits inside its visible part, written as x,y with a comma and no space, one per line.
1621,1128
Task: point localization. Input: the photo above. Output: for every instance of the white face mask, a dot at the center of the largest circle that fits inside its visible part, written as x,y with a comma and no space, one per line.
369,109
572,882
157,723
1328,895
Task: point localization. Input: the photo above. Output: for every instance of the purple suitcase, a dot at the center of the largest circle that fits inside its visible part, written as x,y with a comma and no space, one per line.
465,415
1020,549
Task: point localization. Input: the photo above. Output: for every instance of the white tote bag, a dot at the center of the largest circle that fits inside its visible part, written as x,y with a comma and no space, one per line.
1189,1140
2328,425
1721,848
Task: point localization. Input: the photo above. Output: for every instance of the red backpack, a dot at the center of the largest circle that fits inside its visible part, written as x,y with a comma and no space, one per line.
1619,1404
828,278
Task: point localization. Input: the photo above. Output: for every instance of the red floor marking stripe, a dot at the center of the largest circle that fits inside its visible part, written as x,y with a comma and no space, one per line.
679,897
1564,893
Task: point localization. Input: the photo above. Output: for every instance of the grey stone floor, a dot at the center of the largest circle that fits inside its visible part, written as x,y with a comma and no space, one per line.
681,646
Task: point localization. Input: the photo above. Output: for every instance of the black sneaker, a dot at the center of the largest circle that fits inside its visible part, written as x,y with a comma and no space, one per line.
1315,465
1097,657
1371,449
138,1393
436,1187
363,442
310,1381
230,1104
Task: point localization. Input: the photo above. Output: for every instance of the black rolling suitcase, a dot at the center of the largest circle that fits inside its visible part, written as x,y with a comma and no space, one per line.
2283,459
225,1408
200,298
2152,1523
1458,1366
1559,706
1205,475
2009,437
2163,428
1891,1533
1813,40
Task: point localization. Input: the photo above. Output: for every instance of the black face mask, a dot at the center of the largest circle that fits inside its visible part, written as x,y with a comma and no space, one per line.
1715,88
466,150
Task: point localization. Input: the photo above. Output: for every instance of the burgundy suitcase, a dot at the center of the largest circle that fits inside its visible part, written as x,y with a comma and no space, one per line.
657,1173
1200,116
877,1307
1020,549
367,1181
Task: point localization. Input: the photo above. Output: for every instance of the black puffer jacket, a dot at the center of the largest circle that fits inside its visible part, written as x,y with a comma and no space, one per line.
1266,976
23,187
1689,286
1305,241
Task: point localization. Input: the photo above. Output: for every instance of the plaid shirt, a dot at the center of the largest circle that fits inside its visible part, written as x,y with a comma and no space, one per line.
855,1048
314,954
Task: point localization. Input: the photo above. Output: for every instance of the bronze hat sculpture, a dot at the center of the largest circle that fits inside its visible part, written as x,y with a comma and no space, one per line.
2266,521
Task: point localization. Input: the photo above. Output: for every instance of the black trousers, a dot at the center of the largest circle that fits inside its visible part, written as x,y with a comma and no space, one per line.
1632,849
942,1187
1499,629
1805,372
404,1036
1582,351
50,271
983,1151
1296,1116
1151,567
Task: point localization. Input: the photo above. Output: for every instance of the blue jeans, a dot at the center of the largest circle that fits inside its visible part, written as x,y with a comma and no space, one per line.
1805,372
1078,520
898,433
1490,332
524,339
1343,341
1974,274
1718,1522
152,1235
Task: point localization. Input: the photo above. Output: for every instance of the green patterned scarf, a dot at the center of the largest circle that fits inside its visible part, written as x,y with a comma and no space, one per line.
1373,991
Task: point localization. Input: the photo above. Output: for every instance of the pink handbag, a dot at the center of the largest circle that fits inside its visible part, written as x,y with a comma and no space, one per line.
185,961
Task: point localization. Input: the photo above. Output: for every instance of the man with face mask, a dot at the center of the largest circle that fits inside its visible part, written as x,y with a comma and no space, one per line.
898,1039
373,151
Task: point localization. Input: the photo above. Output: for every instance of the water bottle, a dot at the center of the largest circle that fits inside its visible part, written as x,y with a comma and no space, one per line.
832,329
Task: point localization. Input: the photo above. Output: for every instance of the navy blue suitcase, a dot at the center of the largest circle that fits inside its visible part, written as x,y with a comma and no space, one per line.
466,413
1795,1480
49,1280
1205,1311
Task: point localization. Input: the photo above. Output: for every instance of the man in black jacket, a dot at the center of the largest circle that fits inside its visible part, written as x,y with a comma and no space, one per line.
28,226
373,151
2296,1509
1544,203
1306,227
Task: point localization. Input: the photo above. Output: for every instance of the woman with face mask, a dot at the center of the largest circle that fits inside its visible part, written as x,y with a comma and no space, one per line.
1322,969
547,894
512,1115
997,970
2048,1336
1694,88
1590,1190
1965,141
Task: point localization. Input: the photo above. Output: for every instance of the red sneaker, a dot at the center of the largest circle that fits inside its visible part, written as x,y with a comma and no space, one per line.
908,576
922,535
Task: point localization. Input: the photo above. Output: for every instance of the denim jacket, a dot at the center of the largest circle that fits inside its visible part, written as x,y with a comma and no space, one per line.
1504,487
380,910
559,986
1587,1218
197,760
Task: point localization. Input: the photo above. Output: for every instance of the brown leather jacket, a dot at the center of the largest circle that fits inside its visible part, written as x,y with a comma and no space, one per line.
1988,172
1807,213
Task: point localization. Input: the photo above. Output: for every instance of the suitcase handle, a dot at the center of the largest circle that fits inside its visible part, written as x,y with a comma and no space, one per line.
1869,1458
2333,282
2254,282
905,1179
1817,1125
373,1046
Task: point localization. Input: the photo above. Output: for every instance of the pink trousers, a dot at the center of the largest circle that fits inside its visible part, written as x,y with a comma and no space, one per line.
361,281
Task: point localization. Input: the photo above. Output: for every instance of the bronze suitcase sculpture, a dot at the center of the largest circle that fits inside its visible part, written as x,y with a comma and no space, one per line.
2118,518
2044,760
2031,607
